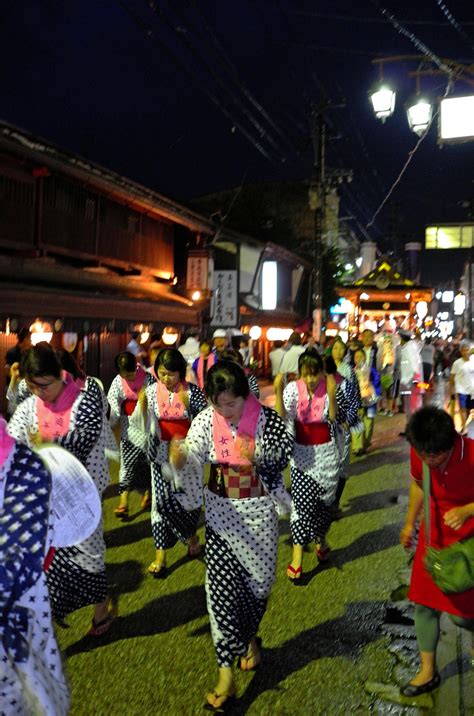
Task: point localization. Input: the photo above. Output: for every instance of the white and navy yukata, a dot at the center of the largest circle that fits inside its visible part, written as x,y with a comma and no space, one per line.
175,511
106,445
134,471
314,470
76,575
253,384
31,675
241,534
350,388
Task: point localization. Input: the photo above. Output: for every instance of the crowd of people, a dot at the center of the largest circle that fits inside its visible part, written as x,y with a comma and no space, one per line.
176,410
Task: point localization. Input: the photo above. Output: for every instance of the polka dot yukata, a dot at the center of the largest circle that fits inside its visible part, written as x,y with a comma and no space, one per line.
314,473
76,576
241,535
175,510
97,460
134,471
350,388
31,675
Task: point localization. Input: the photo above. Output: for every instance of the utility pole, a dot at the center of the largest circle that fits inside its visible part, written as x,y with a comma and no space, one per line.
322,180
317,203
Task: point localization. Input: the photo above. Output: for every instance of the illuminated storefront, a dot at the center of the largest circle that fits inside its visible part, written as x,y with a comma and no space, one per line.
382,299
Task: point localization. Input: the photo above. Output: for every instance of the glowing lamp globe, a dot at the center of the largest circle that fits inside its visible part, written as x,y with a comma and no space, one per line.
383,101
40,331
422,309
419,113
170,335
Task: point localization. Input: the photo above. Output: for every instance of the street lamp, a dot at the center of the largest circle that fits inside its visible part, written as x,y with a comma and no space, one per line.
382,97
420,109
419,112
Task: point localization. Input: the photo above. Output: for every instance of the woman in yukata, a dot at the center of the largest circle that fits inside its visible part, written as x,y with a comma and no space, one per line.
32,676
58,411
131,381
247,446
311,405
166,412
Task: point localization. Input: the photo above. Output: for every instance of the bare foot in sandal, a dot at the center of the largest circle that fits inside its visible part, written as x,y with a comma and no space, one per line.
157,569
224,691
252,659
194,546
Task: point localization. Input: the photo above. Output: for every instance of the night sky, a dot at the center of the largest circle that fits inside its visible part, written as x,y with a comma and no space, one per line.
163,92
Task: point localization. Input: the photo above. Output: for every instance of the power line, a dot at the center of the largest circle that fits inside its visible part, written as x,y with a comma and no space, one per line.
452,21
357,18
150,35
365,214
183,35
420,46
411,154
232,71
335,50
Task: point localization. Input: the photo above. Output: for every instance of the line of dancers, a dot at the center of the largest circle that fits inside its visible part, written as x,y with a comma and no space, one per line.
169,430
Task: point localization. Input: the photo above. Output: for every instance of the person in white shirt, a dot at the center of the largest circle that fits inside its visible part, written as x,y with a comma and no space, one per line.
190,349
276,357
427,357
461,382
289,363
134,347
411,373
385,363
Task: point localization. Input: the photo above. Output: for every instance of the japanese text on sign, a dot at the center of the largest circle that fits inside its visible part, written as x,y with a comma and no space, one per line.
224,305
196,274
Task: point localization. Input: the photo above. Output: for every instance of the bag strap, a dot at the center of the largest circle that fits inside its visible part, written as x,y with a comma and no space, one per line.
426,502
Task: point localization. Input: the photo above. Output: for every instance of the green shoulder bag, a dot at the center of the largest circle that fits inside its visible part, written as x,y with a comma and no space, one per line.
452,568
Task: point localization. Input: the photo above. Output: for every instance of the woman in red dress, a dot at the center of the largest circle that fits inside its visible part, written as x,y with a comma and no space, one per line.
450,457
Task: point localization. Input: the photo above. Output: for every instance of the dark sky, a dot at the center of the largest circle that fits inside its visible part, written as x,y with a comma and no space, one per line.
163,91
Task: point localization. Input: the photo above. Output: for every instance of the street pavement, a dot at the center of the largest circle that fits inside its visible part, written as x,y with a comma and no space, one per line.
340,643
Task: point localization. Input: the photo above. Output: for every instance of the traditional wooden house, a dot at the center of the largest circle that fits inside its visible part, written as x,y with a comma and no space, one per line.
87,252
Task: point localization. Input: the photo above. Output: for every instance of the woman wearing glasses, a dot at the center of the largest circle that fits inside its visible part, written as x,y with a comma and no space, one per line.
58,411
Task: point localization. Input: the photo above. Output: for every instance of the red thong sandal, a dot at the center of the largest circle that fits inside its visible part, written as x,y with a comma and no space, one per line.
102,627
297,573
194,549
323,553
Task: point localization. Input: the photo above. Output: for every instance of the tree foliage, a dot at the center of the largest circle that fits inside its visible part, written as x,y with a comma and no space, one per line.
278,213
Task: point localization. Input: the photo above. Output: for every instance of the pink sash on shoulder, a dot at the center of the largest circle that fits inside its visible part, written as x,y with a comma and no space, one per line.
131,388
81,383
54,418
211,359
6,442
176,409
240,451
311,411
